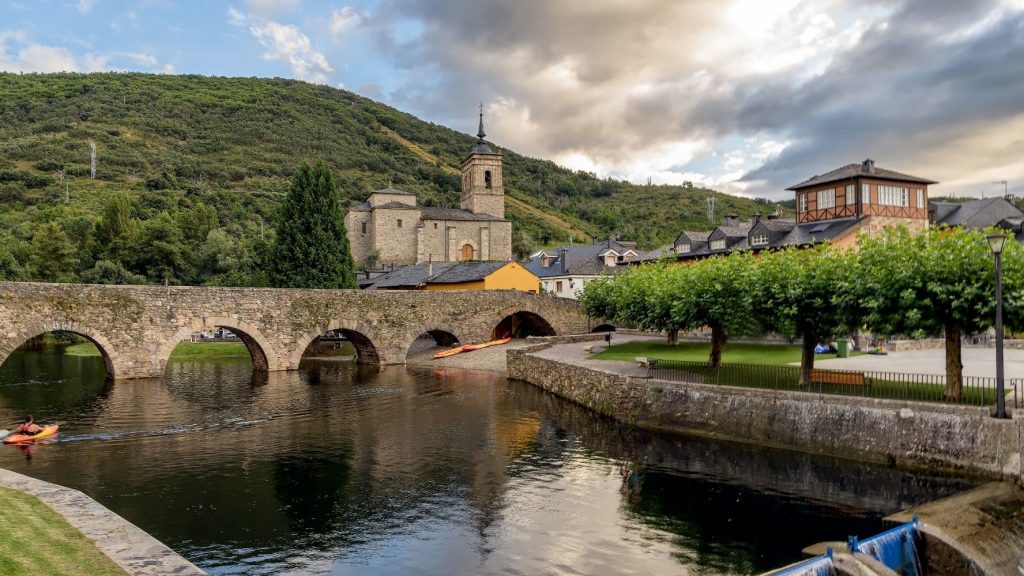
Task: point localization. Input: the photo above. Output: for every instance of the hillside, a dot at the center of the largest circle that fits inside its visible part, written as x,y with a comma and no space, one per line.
175,144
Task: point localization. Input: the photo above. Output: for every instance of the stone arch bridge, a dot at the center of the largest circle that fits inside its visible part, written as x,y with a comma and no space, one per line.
137,327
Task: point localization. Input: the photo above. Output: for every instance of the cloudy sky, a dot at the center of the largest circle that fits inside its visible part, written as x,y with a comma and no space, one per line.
748,96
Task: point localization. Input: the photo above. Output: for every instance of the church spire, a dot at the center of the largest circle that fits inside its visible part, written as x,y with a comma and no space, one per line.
481,146
480,133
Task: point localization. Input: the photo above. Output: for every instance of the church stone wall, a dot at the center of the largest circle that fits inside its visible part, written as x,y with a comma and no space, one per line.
396,244
360,244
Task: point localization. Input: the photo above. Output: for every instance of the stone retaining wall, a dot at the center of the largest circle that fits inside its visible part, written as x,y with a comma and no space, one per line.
913,433
135,551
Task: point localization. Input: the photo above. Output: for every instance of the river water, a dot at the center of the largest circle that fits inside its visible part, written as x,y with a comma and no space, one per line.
340,469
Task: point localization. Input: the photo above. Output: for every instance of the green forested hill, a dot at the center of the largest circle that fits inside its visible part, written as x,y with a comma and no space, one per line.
198,154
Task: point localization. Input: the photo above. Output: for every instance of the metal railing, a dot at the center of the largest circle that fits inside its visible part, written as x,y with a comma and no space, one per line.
976,391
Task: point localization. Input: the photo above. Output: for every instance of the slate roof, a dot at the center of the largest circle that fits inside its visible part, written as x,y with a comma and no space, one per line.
416,275
390,190
977,214
581,259
395,206
818,232
739,231
854,170
693,237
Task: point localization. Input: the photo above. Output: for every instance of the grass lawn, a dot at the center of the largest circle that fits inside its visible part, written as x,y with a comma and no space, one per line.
183,352
209,351
36,541
764,354
82,349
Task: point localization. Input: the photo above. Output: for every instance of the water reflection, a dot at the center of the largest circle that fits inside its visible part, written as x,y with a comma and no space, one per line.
343,468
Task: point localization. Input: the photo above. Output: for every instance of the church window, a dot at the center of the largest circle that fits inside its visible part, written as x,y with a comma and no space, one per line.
364,227
487,179
399,222
467,252
435,225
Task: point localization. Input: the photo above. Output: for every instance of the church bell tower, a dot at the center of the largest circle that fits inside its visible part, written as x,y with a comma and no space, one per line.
482,189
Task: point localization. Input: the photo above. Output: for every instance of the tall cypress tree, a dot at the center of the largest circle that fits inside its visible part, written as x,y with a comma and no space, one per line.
312,250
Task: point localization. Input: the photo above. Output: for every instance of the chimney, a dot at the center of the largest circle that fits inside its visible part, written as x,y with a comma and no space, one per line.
868,166
756,218
731,220
430,268
563,255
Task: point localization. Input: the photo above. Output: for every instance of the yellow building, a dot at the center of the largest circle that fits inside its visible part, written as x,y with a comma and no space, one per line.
458,276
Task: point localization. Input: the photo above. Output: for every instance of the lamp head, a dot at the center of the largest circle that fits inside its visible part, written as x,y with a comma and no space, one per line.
996,242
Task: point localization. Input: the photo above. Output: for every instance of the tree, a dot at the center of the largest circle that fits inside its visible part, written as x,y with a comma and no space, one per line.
312,250
939,281
52,255
159,253
115,220
107,272
808,293
715,293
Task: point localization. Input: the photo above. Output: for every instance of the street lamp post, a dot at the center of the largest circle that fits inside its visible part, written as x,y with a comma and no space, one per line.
996,242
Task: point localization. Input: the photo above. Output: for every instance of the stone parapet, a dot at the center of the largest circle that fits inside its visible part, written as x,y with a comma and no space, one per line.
912,433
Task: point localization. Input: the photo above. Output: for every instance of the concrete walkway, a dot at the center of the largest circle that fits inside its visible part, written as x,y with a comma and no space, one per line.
977,362
135,551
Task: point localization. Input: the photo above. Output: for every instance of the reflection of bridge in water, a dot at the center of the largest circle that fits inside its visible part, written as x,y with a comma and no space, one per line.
137,327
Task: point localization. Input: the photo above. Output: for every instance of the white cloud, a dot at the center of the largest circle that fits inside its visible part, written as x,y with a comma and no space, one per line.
41,58
343,19
236,17
286,42
84,6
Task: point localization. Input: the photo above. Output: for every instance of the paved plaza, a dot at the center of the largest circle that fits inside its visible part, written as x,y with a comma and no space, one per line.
977,362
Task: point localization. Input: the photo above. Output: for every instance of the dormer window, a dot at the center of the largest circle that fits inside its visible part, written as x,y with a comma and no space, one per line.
717,244
545,261
609,260
759,240
683,248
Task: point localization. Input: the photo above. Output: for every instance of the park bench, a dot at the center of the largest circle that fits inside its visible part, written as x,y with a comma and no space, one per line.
643,362
838,377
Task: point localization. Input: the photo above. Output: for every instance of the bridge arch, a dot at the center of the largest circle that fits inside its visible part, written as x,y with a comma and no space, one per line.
264,357
21,337
521,324
361,336
417,341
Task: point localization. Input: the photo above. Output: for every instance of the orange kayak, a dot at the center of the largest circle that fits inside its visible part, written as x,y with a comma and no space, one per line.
45,433
447,353
471,347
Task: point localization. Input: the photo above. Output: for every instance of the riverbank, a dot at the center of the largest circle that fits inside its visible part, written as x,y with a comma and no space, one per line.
932,435
126,548
183,352
36,540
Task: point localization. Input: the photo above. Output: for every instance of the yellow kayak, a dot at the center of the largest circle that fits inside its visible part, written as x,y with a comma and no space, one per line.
46,432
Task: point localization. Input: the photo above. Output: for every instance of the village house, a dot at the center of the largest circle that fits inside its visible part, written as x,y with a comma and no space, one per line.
833,207
563,271
979,214
456,276
390,229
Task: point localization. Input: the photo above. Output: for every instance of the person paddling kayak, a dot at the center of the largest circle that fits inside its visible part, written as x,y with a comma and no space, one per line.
29,427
